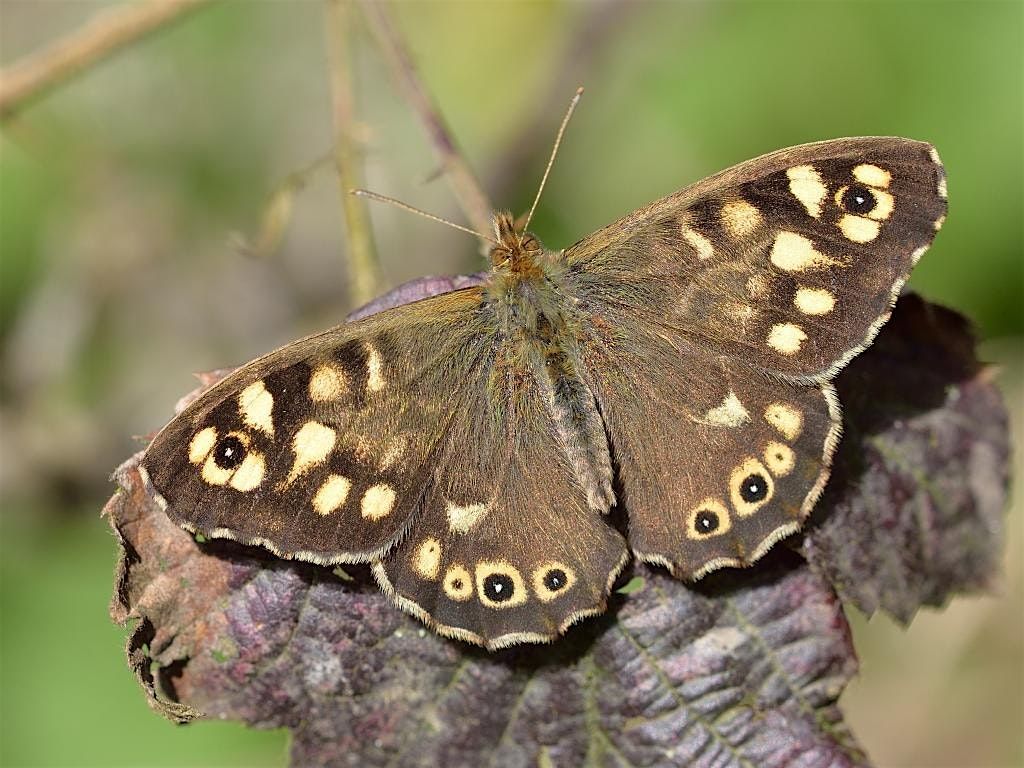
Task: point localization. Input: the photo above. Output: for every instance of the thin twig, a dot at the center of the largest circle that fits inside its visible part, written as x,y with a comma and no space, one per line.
364,268
100,38
472,199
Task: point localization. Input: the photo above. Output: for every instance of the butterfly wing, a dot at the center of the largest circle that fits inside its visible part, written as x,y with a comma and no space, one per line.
714,320
320,449
508,549
420,439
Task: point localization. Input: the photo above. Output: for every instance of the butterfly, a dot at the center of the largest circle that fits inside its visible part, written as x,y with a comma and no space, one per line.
675,364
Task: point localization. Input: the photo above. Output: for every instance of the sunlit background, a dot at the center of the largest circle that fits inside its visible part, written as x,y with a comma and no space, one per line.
128,197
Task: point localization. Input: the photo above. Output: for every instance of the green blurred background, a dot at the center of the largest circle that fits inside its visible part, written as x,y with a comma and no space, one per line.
126,194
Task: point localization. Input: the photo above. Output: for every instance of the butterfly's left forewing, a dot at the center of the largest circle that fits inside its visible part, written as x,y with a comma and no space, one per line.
320,450
714,320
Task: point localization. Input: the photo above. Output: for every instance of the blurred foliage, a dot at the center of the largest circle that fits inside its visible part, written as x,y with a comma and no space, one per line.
122,193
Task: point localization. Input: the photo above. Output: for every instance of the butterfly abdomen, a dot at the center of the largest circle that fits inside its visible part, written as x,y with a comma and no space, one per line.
546,326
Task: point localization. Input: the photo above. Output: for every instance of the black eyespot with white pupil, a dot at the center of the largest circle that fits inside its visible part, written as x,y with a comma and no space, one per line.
498,587
859,199
706,521
229,452
555,579
753,488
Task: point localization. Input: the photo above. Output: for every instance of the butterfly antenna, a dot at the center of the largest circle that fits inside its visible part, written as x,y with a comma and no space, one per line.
551,160
406,207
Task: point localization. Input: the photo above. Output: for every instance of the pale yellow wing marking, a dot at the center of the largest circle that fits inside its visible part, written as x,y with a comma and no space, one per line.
377,502
786,419
552,579
740,218
814,301
426,560
312,444
463,519
750,487
709,518
328,382
458,583
700,243
256,407
332,494
792,252
730,413
499,584
786,338
805,185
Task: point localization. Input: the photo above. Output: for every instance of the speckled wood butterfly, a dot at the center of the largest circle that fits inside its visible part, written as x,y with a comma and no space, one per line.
676,363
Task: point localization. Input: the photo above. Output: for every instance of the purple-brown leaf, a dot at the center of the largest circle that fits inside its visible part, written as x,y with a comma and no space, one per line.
914,510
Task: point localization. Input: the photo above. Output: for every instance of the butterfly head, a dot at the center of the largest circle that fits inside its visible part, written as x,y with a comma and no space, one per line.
515,252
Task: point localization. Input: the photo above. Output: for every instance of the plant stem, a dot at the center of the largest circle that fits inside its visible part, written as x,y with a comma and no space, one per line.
364,268
472,199
104,35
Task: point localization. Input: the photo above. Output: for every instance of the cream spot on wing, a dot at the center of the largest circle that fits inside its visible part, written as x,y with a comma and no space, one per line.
332,494
858,229
328,382
215,475
202,444
884,205
552,579
256,406
786,338
709,518
806,186
249,473
312,445
458,583
464,519
375,370
378,501
499,584
917,254
872,175
934,155
943,192
740,218
779,459
699,243
814,301
786,419
427,560
730,413
795,253
939,222
750,487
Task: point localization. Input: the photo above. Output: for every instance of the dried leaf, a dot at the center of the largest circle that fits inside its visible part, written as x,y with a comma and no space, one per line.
914,510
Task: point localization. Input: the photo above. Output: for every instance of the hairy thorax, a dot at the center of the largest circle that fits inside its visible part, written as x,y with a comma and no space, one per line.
538,325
